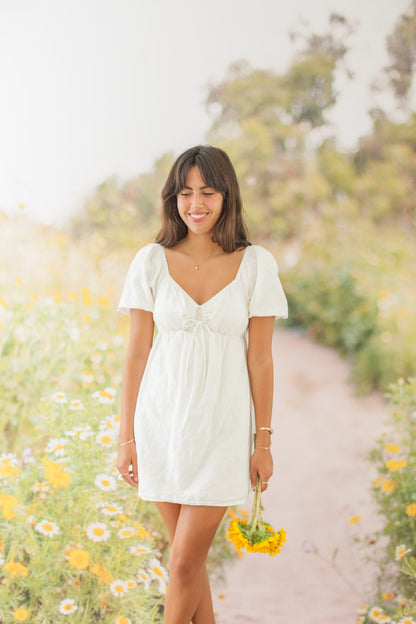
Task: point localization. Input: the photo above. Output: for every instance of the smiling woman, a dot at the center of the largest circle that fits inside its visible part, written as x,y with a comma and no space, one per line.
192,398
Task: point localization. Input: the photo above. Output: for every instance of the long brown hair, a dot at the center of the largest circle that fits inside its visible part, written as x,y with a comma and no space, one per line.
230,231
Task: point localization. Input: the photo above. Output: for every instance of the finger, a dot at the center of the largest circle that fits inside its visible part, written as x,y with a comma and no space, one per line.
253,477
135,472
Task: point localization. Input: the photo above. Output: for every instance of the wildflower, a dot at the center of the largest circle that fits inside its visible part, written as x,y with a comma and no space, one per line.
105,577
57,446
41,486
388,596
110,510
156,570
139,550
257,535
76,405
79,558
118,588
122,620
384,619
143,577
388,486
81,432
59,397
109,423
105,439
407,620
8,465
87,377
46,527
131,583
360,619
126,532
392,448
14,568
401,601
411,510
67,606
8,505
396,464
362,609
140,530
97,532
55,475
20,614
96,357
375,613
355,519
104,396
105,482
377,481
401,552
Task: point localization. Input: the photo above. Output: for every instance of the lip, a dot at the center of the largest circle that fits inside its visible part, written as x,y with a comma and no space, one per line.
197,217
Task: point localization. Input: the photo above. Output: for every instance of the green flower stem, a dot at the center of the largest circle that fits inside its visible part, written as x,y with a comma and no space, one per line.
256,515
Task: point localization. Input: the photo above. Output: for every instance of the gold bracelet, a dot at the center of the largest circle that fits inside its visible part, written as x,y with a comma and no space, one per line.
263,447
269,429
124,443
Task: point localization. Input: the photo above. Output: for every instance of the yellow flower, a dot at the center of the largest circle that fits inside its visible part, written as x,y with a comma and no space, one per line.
392,448
401,552
8,504
388,485
79,558
377,481
388,596
122,620
140,530
103,302
20,614
55,475
396,464
257,535
14,568
7,469
411,510
86,296
355,519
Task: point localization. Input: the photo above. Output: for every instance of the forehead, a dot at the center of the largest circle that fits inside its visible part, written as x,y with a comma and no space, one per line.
194,178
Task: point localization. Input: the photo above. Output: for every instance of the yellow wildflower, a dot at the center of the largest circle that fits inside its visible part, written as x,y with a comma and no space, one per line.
105,577
8,504
388,486
401,552
86,296
388,596
140,530
20,614
411,510
377,481
14,568
392,448
103,302
355,519
56,476
396,464
256,535
79,558
8,469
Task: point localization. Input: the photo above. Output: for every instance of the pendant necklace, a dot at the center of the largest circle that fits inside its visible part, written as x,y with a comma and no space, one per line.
196,266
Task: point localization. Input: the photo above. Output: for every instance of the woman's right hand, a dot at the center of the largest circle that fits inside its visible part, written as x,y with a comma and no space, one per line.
127,464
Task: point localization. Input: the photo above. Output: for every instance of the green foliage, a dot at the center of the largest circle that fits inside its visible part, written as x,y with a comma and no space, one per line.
401,46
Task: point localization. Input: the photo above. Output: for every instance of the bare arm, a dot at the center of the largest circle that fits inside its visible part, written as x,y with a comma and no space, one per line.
138,349
260,368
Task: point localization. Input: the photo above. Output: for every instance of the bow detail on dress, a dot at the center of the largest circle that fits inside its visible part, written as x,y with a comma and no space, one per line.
195,320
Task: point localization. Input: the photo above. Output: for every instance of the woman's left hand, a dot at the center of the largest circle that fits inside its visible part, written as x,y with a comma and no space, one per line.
262,464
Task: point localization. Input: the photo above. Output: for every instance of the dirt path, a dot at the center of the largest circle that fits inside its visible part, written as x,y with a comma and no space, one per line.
321,480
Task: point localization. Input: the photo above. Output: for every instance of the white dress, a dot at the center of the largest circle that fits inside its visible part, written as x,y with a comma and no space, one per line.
194,414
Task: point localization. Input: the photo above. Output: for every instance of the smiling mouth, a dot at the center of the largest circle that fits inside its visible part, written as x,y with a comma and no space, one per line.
197,216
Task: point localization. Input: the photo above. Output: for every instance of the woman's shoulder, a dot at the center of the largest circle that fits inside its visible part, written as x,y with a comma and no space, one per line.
263,258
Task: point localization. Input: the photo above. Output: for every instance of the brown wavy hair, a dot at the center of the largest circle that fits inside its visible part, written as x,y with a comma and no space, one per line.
230,231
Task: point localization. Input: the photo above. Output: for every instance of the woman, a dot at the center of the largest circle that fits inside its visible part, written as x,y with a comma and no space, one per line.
191,399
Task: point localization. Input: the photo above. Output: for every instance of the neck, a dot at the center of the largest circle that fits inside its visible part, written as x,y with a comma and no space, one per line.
199,244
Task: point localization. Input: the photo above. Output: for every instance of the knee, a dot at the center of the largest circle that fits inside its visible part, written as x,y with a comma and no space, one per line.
183,568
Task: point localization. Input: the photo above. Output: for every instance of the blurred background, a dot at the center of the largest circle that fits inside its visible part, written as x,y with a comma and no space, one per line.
315,104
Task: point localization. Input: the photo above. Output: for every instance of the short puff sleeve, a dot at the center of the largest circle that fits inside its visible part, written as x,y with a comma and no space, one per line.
137,290
268,297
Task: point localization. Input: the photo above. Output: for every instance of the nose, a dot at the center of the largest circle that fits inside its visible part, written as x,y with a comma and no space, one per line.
196,201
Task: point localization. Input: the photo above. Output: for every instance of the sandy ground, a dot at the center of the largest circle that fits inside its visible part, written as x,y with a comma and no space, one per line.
322,478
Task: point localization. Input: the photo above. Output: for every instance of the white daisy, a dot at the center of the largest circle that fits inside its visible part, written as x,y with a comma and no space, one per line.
111,510
76,405
8,459
47,527
97,532
118,340
56,445
125,532
407,620
109,423
96,357
362,610
118,588
105,482
31,519
28,457
81,432
375,612
122,620
401,551
104,396
139,550
384,619
59,397
67,606
143,577
75,334
87,377
156,570
105,438
102,345
2,561
131,583
41,486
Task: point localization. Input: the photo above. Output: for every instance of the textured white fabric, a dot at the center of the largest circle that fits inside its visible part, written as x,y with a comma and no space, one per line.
194,414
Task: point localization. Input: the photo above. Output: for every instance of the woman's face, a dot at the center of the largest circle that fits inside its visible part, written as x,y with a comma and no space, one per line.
199,205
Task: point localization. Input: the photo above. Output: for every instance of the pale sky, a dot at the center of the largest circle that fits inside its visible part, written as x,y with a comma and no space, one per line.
95,88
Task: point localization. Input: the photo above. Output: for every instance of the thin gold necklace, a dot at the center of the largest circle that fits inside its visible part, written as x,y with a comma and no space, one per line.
196,266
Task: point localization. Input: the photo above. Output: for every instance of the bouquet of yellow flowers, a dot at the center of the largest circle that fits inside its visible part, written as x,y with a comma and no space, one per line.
256,535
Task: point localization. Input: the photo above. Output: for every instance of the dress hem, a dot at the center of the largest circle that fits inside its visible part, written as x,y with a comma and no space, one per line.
182,501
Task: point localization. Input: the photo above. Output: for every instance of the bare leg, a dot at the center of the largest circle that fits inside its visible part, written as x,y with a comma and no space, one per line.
191,530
